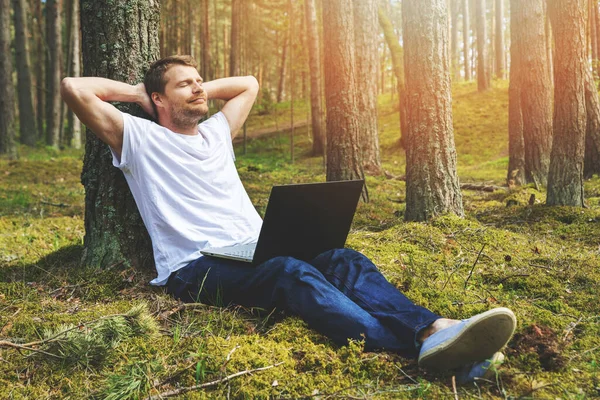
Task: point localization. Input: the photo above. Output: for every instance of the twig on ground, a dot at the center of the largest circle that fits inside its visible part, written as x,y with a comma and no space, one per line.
473,267
55,204
406,375
176,392
454,387
572,325
4,343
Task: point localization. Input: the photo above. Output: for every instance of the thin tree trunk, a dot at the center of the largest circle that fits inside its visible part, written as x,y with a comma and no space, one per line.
397,55
482,70
26,114
343,148
314,57
53,73
234,51
74,134
565,179
207,71
282,70
40,93
366,57
432,186
500,65
466,38
454,13
292,76
114,231
7,94
516,145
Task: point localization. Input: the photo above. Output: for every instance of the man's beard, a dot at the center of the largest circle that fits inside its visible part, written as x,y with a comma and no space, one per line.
185,117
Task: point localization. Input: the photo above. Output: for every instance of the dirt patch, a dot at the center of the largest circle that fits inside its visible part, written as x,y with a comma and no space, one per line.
541,341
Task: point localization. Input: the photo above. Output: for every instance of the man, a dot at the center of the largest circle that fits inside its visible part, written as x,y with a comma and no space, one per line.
183,178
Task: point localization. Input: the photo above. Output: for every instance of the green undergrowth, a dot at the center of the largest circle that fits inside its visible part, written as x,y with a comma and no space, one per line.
106,334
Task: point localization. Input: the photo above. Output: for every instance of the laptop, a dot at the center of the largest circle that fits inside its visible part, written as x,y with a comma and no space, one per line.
301,221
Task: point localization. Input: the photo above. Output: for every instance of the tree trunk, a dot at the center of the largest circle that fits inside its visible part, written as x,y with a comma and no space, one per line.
114,231
26,113
432,186
466,38
454,53
366,34
207,73
535,88
500,65
565,179
292,76
234,51
39,71
483,82
53,72
314,57
549,42
74,132
591,163
7,93
516,145
397,55
282,70
592,4
343,147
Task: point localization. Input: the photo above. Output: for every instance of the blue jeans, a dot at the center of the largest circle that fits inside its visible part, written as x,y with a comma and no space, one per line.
340,294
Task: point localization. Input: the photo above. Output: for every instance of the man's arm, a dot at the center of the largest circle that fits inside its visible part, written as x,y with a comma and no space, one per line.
87,98
239,92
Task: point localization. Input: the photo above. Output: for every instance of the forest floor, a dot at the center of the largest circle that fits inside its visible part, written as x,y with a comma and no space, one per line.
128,340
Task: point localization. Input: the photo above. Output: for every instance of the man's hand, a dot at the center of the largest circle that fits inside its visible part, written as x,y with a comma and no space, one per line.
144,100
239,92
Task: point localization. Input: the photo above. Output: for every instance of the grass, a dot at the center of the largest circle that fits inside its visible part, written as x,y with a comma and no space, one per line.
542,262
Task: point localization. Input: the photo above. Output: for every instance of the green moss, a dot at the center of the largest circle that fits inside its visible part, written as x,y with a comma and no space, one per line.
540,261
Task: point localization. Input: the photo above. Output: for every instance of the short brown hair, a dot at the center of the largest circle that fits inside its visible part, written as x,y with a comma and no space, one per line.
154,81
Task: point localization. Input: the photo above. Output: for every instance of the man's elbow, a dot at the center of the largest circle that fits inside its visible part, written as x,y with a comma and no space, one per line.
67,88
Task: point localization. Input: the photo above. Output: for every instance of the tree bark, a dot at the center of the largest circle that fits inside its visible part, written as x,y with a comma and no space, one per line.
344,160
535,88
207,73
234,51
565,179
316,110
466,38
367,63
53,72
592,33
500,64
119,40
591,164
24,90
39,71
397,55
432,186
483,82
516,145
7,94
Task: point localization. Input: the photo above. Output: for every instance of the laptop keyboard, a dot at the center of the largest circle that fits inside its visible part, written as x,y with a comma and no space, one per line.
240,253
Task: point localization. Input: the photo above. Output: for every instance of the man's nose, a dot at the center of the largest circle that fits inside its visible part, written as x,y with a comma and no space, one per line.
198,87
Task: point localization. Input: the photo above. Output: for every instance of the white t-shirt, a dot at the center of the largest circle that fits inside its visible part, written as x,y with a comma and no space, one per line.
187,190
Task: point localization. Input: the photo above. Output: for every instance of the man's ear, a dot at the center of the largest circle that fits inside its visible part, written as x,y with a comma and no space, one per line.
157,100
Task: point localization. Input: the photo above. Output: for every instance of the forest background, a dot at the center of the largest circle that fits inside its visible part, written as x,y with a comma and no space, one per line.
476,124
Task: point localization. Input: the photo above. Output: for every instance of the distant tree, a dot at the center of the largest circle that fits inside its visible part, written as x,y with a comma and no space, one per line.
483,82
344,160
466,38
53,72
397,55
205,38
39,56
24,90
73,134
234,52
531,88
454,10
565,179
314,56
366,37
114,231
7,94
500,65
432,186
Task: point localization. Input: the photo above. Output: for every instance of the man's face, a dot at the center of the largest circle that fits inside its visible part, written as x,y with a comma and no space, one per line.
184,98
